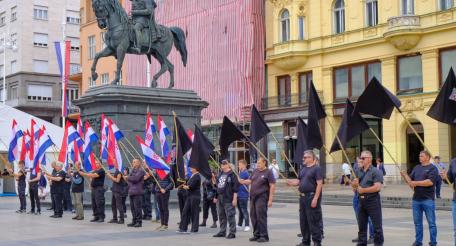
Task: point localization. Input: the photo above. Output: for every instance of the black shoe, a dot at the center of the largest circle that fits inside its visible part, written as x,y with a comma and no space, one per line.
253,239
231,236
100,220
262,240
20,211
113,221
38,213
50,209
121,222
302,244
30,212
220,234
182,232
137,225
75,218
214,225
52,216
370,241
316,244
57,216
355,240
299,235
203,224
131,224
94,220
80,218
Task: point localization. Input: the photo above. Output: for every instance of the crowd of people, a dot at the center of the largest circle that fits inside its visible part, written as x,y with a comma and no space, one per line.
251,191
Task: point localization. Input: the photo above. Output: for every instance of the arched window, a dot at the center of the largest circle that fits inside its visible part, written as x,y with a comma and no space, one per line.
339,16
285,26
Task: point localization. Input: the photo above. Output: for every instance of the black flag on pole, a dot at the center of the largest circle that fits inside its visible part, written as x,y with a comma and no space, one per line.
301,144
376,100
444,107
183,144
229,134
202,148
258,128
352,125
316,112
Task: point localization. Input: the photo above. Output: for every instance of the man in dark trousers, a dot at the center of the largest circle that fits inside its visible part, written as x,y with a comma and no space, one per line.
227,188
51,187
192,205
422,180
209,192
181,192
162,191
136,191
147,197
368,185
67,203
118,184
35,177
243,196
98,191
310,182
57,179
20,178
262,190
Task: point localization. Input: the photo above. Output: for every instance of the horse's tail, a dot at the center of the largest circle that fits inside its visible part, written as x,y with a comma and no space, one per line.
179,42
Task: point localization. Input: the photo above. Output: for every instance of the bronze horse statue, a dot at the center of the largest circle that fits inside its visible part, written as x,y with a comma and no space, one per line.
120,40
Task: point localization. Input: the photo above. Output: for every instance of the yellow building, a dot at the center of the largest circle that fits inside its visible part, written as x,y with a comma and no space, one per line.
341,44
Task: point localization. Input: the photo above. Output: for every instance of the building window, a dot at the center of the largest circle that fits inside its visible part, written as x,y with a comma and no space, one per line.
13,38
73,94
407,7
40,66
73,20
40,39
301,28
447,61
285,26
2,18
74,68
304,81
105,78
92,48
13,66
74,43
339,16
350,81
410,75
40,13
13,93
92,82
371,12
445,4
284,89
13,13
39,92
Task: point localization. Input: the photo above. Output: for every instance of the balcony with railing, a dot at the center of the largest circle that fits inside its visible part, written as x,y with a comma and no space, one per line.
404,32
283,101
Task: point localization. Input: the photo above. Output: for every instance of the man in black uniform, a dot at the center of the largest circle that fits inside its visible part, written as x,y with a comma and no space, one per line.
147,202
117,189
310,182
57,179
192,205
20,178
33,192
227,188
98,190
368,184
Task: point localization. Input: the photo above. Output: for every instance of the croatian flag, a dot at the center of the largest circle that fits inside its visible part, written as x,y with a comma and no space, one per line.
150,131
164,132
23,154
153,160
63,155
80,131
45,143
104,137
117,133
62,49
114,158
89,139
33,137
12,150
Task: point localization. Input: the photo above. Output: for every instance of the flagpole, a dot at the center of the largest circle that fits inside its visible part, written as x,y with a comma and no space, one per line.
63,65
424,145
177,145
284,155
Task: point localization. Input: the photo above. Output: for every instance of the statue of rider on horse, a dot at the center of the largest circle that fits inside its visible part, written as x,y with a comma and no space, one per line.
140,35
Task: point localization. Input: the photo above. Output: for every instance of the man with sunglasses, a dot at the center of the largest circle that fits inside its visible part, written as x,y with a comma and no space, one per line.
368,183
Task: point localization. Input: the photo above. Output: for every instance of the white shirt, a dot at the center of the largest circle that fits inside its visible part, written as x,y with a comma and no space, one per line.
275,170
346,169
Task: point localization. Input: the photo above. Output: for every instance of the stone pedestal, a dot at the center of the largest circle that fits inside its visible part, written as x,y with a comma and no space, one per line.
128,106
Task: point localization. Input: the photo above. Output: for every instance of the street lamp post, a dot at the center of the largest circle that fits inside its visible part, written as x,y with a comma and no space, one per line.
7,44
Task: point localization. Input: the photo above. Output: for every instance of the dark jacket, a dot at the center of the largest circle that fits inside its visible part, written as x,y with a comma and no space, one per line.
226,187
136,182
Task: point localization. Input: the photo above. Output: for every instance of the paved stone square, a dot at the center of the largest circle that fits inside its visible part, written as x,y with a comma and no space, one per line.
339,222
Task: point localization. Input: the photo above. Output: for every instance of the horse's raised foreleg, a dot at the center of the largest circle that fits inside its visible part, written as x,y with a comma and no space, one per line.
171,73
163,68
120,58
104,53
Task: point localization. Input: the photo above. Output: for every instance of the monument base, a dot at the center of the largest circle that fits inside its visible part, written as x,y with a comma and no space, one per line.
127,106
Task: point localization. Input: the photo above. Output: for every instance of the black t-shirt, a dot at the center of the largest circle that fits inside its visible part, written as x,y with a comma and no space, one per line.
97,182
59,185
52,183
261,181
118,187
67,184
227,185
32,176
77,185
21,179
420,173
308,178
194,184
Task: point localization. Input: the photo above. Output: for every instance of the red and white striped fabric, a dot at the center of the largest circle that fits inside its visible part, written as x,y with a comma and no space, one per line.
225,43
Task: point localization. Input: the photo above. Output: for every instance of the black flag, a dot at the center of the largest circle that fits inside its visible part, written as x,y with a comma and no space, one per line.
229,134
444,107
316,112
376,100
301,144
258,128
202,148
352,125
183,144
